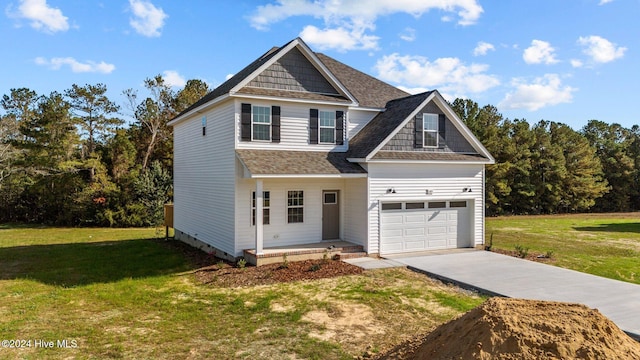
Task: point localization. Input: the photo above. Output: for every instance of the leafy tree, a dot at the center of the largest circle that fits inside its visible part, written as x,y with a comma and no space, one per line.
93,110
153,189
612,143
584,181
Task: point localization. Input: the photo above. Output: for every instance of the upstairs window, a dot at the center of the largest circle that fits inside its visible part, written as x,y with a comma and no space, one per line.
326,127
327,120
430,129
261,123
204,125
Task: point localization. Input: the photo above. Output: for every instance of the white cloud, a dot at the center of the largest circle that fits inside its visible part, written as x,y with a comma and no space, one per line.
601,50
409,34
173,79
602,2
482,48
42,16
340,39
576,63
542,92
76,66
350,20
148,20
539,52
447,74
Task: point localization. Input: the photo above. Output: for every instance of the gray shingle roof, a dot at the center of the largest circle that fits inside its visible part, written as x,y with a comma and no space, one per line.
430,156
282,162
381,126
369,91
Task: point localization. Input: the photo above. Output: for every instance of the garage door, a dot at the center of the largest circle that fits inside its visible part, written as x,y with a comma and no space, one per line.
429,225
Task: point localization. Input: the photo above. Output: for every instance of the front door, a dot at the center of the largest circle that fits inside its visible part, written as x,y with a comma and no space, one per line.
330,215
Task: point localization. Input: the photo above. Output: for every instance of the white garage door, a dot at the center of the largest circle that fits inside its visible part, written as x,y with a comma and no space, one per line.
430,225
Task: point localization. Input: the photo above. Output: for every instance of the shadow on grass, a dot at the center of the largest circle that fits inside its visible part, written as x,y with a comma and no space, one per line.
619,227
78,264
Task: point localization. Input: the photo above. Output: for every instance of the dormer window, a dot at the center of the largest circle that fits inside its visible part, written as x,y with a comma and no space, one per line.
261,123
430,128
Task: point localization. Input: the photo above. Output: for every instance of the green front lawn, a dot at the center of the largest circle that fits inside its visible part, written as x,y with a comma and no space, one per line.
601,244
117,294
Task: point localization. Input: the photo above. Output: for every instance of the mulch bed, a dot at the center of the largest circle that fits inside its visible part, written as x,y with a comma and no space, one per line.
216,272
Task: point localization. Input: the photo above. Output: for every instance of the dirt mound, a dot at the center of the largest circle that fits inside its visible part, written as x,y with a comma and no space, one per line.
523,329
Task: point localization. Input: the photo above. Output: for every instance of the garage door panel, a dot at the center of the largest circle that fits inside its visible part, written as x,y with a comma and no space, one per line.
414,245
425,229
415,218
436,230
419,231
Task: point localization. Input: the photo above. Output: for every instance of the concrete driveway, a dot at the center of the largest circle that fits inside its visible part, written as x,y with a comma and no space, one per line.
517,278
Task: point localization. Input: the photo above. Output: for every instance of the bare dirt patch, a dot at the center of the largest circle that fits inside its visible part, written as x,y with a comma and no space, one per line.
227,275
522,329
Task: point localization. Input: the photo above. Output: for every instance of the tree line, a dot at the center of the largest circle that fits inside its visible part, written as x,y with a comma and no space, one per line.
70,159
549,168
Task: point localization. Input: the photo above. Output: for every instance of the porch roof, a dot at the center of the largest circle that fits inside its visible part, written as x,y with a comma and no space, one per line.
428,156
264,163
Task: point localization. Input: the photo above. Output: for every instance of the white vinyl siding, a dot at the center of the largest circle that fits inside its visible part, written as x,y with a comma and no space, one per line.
445,182
355,211
357,120
204,177
294,128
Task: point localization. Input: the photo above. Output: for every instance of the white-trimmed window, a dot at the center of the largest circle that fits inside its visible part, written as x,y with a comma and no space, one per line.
266,202
327,127
261,123
430,129
295,206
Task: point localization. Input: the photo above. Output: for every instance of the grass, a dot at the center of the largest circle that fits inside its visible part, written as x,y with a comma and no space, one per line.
118,294
600,244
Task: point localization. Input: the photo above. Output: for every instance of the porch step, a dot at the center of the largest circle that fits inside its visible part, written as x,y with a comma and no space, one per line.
349,255
339,250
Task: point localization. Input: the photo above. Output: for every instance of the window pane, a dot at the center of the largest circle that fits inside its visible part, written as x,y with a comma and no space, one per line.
330,198
327,118
295,215
437,204
414,205
262,114
391,206
266,195
458,204
327,135
430,121
430,138
261,132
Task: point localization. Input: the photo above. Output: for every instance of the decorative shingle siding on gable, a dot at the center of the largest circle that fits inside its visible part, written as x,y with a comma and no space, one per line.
405,138
293,72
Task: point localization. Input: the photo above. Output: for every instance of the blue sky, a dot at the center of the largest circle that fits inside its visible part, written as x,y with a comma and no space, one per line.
567,61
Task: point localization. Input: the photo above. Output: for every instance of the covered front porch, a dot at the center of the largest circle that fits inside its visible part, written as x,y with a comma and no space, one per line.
328,249
307,205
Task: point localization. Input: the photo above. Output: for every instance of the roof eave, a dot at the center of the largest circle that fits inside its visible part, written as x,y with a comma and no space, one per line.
198,110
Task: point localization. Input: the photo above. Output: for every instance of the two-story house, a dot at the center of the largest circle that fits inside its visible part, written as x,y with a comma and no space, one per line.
298,148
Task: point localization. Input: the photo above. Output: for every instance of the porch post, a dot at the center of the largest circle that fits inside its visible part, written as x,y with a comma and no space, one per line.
259,217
